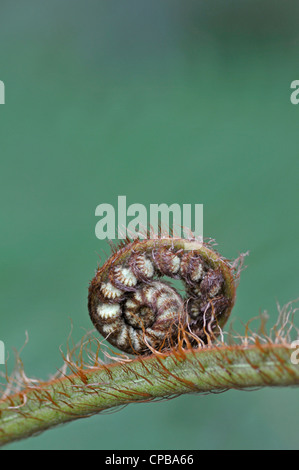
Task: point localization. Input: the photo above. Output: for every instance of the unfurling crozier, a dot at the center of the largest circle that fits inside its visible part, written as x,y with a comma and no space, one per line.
138,312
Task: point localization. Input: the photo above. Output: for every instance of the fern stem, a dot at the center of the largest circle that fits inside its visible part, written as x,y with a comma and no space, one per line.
88,392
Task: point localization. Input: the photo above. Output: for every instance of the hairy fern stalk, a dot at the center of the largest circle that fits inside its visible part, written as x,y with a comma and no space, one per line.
94,378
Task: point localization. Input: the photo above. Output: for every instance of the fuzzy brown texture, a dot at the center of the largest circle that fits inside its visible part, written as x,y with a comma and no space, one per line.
139,313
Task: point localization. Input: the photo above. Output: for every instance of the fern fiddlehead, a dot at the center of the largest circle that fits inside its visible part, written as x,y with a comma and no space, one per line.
138,312
174,339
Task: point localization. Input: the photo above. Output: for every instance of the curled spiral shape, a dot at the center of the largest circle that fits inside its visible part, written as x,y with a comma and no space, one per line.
137,312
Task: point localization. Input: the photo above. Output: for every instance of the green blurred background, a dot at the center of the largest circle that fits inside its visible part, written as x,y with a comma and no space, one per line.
161,101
